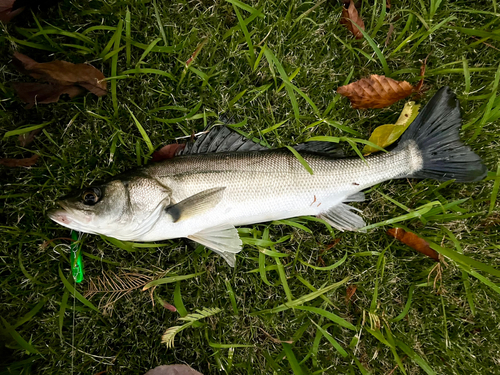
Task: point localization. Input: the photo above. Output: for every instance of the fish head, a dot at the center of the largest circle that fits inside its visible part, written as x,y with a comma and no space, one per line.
96,209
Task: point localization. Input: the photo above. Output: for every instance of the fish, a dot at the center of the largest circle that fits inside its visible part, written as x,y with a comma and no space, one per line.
224,180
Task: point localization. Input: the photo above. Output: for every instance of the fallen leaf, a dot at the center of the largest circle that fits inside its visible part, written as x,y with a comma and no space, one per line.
350,15
388,4
414,241
385,135
27,162
375,91
350,291
42,93
9,9
63,73
173,370
167,152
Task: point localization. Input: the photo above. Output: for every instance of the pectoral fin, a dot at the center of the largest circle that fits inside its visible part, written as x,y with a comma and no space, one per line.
224,240
196,204
341,215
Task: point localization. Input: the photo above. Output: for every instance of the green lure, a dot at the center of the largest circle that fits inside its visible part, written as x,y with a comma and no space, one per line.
76,259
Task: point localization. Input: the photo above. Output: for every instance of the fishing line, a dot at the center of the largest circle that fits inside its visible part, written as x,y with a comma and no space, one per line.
76,266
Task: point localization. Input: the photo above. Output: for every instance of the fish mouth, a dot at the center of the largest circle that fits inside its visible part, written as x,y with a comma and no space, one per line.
61,215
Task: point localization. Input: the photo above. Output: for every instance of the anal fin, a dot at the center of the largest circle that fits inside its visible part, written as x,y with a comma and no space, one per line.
341,216
223,239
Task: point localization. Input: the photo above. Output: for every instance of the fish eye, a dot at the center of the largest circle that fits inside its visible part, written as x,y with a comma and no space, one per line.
91,196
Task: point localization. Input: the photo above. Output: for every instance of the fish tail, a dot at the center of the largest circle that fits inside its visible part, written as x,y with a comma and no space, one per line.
433,137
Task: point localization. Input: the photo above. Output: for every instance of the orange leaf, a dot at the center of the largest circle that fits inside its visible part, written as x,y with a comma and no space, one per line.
375,92
414,241
350,15
28,162
63,73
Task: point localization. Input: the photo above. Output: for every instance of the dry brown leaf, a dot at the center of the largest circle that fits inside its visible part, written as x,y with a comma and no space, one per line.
167,152
27,162
350,292
63,73
350,15
414,241
8,10
42,93
375,91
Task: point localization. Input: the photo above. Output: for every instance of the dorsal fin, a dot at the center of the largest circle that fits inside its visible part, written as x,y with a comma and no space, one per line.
224,139
220,139
320,147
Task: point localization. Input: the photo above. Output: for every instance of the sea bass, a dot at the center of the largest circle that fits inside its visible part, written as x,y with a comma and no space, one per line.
224,180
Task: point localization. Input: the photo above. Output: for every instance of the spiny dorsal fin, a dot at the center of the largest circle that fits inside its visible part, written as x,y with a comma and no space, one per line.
220,139
196,204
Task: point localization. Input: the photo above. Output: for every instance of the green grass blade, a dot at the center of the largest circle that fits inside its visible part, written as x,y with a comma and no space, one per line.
290,355
246,7
406,308
273,61
75,292
160,24
147,51
327,268
171,279
328,315
331,340
415,357
179,304
377,50
114,65
301,300
494,191
18,338
300,159
247,37
232,297
127,36
284,282
62,310
27,129
31,313
142,131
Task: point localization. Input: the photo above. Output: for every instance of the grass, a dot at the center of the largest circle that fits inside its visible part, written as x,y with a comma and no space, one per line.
272,67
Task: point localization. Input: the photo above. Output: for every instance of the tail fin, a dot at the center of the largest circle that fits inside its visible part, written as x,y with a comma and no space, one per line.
435,131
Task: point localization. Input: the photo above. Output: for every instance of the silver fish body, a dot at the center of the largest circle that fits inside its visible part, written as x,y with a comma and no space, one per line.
204,195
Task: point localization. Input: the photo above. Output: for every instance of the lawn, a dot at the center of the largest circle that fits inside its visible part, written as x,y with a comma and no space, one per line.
303,298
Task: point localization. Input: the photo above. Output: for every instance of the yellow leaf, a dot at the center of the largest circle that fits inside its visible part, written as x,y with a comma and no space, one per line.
386,135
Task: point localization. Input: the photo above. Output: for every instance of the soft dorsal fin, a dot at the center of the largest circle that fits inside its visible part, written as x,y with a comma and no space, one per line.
320,147
224,139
